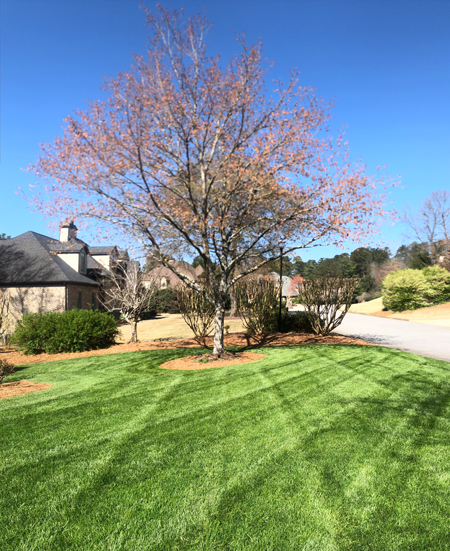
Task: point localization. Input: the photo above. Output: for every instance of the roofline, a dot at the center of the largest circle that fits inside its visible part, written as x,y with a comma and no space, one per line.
47,284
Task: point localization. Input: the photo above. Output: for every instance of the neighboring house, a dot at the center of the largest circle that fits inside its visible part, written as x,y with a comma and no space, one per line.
43,274
164,278
287,291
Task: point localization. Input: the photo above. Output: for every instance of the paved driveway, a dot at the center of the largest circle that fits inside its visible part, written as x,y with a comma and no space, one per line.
426,340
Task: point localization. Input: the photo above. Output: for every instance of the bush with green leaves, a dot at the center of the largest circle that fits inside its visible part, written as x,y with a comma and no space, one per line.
438,280
295,322
410,289
72,331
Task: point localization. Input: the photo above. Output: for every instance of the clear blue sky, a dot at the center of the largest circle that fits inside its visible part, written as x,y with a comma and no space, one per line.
385,62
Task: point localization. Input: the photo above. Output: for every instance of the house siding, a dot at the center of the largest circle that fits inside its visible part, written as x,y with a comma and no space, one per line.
73,292
26,300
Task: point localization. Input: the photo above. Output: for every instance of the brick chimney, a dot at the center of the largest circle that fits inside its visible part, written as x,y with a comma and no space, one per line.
67,231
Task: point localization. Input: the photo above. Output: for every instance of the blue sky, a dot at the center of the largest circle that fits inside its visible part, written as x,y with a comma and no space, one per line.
386,63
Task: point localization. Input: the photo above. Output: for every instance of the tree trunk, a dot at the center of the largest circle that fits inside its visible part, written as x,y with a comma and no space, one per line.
233,311
218,329
133,328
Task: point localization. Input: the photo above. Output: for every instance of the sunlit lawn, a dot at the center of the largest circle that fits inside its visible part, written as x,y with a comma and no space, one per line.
319,447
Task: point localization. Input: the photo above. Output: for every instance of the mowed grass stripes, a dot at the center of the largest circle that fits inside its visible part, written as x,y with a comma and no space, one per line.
314,448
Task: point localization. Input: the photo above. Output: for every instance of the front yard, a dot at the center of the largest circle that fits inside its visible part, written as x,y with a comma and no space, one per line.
313,447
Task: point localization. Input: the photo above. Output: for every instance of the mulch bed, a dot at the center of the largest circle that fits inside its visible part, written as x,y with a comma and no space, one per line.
8,390
243,340
234,339
207,361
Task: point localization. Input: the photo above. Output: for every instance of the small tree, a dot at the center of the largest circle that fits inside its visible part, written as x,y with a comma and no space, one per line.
327,300
257,299
197,312
126,292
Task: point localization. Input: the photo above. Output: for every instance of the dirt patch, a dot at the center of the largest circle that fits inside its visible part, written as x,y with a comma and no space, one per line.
8,390
236,339
207,361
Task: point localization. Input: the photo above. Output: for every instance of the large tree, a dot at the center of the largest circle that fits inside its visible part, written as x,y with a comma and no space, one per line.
431,224
190,150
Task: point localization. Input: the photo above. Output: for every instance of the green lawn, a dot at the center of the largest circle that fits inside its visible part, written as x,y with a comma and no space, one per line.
315,448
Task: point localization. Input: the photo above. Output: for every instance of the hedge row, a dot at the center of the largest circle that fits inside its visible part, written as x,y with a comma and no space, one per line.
72,331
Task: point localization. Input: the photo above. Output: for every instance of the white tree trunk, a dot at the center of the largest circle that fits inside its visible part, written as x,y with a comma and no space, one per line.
133,329
218,329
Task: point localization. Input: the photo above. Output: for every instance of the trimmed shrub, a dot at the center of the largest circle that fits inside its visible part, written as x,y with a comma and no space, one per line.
411,289
327,301
258,304
72,331
438,280
296,322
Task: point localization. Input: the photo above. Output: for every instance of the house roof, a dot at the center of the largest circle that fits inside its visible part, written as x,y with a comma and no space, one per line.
102,250
31,258
182,266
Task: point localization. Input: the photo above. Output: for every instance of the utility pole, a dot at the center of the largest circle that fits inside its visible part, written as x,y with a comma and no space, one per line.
281,289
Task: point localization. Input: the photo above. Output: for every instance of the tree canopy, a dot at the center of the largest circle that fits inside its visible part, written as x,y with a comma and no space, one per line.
191,153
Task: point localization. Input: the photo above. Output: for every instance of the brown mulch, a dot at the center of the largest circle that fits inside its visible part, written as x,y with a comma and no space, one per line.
235,339
8,390
206,361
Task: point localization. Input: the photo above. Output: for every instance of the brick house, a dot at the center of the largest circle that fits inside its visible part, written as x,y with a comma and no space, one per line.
164,278
41,274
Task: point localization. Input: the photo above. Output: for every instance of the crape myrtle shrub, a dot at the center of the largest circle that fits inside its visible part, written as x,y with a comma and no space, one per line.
198,313
72,331
257,301
410,289
258,304
327,301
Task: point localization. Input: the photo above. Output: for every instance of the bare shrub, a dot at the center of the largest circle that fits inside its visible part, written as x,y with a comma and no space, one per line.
327,300
197,312
257,300
6,369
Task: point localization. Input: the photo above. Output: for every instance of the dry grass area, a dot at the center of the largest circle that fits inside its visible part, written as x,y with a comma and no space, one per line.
169,326
433,315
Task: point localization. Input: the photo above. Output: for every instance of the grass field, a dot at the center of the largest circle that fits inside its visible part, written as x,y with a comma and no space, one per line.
169,326
312,448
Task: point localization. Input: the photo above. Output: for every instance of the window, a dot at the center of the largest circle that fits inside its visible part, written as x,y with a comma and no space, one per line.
163,283
83,262
80,301
94,301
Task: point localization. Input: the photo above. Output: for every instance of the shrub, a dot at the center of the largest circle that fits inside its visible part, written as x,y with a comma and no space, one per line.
258,304
166,301
197,312
297,322
404,290
6,369
327,300
410,289
72,331
438,280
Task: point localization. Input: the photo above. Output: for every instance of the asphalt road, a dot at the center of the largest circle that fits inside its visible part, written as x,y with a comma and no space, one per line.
423,339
